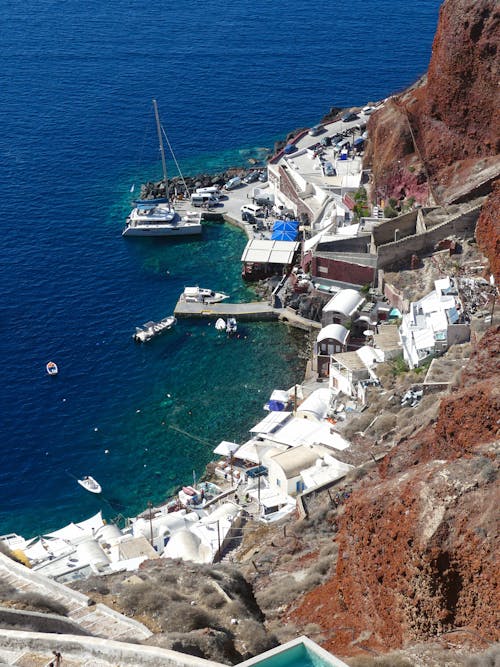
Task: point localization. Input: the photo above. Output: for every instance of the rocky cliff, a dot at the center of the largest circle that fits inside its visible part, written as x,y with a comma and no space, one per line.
444,133
488,231
417,542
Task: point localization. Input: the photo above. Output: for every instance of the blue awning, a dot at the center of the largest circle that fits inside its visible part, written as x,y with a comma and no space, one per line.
285,226
284,235
275,406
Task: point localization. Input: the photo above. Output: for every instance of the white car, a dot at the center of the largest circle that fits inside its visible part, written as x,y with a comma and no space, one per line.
252,209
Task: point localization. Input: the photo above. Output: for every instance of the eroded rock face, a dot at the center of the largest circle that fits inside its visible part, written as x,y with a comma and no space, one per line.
447,129
417,543
488,231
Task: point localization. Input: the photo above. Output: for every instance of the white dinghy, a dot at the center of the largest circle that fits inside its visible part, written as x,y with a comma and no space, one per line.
90,484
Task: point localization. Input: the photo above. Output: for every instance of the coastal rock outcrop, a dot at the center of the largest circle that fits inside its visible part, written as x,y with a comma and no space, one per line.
445,130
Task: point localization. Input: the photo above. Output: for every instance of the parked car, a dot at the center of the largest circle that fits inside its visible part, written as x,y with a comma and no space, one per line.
253,209
263,176
258,471
315,130
232,183
329,169
251,177
347,117
326,141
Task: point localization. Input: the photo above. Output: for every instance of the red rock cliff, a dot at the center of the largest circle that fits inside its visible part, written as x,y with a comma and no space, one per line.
488,231
417,544
446,130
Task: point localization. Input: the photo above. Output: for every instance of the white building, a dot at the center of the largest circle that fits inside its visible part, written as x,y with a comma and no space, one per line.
303,467
351,371
310,180
433,324
343,307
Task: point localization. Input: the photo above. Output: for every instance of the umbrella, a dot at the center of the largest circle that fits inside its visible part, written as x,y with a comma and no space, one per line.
285,226
284,235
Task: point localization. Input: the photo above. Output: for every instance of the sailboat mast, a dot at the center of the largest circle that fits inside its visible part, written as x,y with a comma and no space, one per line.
162,150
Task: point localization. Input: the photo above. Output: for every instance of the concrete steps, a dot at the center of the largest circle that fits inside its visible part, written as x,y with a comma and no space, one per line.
96,619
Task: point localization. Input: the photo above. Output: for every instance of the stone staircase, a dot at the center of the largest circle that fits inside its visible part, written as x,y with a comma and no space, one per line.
95,619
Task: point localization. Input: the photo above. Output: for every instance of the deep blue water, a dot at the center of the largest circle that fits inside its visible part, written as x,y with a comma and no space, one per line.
76,129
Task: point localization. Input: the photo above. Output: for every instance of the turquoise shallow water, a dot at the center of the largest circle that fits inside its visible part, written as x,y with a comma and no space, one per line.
77,81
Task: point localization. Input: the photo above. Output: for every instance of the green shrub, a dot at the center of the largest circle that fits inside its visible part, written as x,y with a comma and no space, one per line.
255,638
184,617
384,424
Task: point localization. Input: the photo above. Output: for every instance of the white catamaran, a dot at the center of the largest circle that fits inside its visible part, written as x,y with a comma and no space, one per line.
158,217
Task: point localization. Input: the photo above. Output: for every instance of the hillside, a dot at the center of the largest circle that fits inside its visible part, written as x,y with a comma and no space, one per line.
439,141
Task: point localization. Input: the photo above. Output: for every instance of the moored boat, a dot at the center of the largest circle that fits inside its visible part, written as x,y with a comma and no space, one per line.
52,368
220,324
149,330
90,484
231,326
202,295
158,217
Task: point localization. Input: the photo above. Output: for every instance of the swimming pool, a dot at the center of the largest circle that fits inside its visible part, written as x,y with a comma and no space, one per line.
300,652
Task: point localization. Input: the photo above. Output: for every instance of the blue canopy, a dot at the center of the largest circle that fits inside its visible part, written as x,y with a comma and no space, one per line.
284,235
285,225
275,406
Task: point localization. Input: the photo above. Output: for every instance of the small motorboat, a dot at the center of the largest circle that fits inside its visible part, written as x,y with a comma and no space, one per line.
202,295
231,326
90,484
220,324
52,368
151,329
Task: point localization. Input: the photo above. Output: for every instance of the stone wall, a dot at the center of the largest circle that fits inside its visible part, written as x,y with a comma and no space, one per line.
390,254
357,244
33,620
403,225
395,298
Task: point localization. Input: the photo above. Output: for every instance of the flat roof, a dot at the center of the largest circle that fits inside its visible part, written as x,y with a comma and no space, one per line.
264,251
350,360
298,458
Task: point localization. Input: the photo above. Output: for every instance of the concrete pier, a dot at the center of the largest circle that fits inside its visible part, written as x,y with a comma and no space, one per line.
255,311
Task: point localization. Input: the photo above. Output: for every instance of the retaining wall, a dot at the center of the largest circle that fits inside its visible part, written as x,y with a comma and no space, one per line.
47,623
101,650
405,225
392,253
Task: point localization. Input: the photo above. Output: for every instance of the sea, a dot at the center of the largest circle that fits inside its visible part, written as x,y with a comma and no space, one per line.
77,135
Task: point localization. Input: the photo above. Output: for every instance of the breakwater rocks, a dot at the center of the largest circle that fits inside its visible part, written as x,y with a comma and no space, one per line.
183,187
